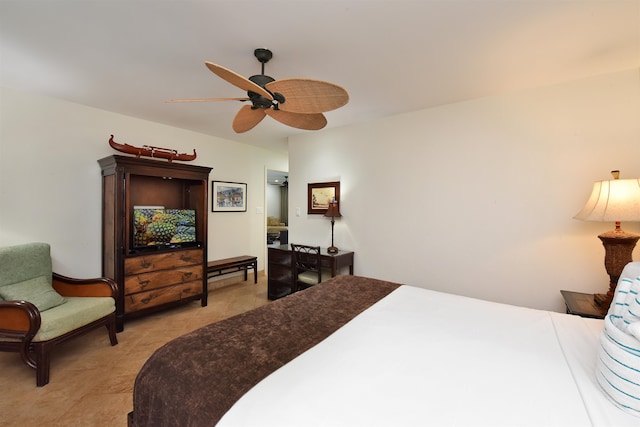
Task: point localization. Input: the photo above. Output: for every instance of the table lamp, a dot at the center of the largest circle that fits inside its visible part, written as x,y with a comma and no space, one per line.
333,211
614,201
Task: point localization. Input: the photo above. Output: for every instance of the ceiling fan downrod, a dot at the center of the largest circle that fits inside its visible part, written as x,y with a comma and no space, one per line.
263,55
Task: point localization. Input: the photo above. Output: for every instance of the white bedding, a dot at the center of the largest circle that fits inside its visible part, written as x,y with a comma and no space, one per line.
419,357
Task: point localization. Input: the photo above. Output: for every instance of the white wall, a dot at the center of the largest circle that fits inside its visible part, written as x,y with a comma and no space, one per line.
477,198
273,200
50,181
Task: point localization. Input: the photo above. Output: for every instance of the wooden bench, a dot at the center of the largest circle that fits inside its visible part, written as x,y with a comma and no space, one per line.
232,265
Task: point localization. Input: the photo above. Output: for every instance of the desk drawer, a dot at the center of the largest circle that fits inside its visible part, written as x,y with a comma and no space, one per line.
278,257
282,273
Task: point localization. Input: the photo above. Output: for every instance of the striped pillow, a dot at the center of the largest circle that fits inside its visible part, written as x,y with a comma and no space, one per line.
618,365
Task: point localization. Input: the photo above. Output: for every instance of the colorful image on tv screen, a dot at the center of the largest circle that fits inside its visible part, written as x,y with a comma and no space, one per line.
156,226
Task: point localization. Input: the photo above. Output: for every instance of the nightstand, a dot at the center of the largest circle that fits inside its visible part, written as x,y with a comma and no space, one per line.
583,305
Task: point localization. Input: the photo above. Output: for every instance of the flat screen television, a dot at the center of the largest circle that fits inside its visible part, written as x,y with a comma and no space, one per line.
155,228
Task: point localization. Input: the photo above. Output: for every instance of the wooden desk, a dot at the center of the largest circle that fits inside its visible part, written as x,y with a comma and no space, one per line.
583,305
280,268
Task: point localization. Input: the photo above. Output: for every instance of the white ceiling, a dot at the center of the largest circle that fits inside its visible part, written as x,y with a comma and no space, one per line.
277,177
392,56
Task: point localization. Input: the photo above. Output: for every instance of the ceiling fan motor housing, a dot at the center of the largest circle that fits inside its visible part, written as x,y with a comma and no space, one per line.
260,101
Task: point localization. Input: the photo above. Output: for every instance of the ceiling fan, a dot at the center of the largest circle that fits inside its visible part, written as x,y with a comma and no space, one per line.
298,103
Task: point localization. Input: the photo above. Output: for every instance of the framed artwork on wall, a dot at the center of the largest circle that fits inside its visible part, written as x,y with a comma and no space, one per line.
228,196
320,194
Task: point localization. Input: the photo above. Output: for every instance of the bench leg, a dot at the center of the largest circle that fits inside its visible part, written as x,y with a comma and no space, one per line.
255,272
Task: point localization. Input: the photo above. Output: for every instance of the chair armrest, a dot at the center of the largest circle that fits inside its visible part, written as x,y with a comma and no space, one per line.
20,318
19,321
95,287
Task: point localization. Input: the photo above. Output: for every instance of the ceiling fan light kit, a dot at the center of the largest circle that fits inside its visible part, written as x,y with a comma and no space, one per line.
297,102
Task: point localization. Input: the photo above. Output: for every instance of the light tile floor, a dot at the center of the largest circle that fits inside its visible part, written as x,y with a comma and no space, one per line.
91,383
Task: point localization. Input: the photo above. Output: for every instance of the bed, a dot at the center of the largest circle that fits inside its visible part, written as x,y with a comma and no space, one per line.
357,351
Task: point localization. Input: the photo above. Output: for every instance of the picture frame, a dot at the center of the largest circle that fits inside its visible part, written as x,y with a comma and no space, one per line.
228,196
319,194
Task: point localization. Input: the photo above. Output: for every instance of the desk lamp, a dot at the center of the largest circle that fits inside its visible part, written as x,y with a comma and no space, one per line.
333,211
614,201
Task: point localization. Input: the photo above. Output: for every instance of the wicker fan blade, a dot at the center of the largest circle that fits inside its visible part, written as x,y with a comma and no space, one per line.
309,96
237,80
313,121
247,118
207,100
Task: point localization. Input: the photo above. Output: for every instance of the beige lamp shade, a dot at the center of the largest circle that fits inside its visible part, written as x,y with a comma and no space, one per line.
616,200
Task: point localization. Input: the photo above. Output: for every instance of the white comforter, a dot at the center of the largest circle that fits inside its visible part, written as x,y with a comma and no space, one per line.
419,358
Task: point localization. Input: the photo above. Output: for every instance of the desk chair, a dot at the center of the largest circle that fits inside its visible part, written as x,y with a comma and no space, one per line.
307,269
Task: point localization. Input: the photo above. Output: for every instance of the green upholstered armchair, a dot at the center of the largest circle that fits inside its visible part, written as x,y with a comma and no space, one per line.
40,309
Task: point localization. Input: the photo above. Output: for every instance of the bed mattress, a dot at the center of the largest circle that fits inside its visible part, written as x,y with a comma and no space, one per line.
355,351
424,358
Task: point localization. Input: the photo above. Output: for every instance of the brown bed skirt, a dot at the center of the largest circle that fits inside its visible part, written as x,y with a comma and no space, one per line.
195,379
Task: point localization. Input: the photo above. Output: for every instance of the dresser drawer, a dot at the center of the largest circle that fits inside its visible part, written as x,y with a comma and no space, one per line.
159,279
162,261
155,297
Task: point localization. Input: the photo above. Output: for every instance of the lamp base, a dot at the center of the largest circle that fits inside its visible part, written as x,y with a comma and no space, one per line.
332,250
618,248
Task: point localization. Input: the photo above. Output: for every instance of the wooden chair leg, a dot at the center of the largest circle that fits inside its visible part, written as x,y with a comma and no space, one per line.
43,363
42,351
111,327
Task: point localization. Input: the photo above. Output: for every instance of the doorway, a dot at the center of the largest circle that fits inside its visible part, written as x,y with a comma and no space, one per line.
277,212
